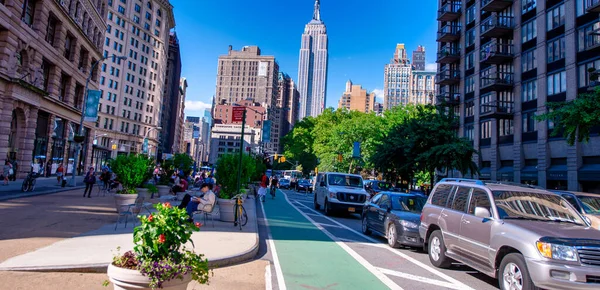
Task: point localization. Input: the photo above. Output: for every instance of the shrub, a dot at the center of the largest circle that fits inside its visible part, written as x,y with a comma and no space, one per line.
132,171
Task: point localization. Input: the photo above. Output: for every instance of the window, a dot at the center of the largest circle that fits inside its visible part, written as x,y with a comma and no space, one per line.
51,29
529,90
138,9
557,83
470,132
460,199
528,31
587,39
69,42
121,10
486,130
441,194
470,14
469,61
157,33
556,49
64,87
148,16
46,72
555,17
470,84
527,5
149,5
529,122
582,6
506,127
470,37
584,76
136,19
28,12
479,198
469,109
159,13
157,22
528,60
110,3
146,26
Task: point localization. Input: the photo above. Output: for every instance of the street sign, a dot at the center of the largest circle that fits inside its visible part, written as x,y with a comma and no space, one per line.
145,146
356,150
266,131
237,114
91,106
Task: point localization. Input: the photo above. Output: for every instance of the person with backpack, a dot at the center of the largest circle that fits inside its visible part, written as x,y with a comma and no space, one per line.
90,180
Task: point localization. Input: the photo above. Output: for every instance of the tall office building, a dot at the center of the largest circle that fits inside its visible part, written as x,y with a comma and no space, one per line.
312,67
287,105
179,114
397,74
500,62
172,102
47,50
133,89
357,99
418,58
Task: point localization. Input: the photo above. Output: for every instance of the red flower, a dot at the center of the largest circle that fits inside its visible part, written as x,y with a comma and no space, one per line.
198,225
167,205
161,238
150,218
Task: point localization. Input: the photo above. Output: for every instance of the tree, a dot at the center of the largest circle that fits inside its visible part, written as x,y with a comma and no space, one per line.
132,171
298,144
574,118
227,173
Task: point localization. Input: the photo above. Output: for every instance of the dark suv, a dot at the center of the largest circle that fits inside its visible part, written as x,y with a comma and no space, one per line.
373,187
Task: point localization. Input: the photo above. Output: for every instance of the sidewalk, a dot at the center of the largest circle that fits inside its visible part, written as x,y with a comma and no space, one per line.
65,232
43,185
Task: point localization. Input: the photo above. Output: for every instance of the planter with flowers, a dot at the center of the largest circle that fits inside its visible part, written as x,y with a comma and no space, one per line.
132,171
160,259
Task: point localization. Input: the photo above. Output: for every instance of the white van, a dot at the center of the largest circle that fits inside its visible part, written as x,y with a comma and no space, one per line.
339,192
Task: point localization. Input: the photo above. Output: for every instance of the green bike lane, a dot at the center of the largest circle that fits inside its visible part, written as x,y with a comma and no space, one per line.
308,258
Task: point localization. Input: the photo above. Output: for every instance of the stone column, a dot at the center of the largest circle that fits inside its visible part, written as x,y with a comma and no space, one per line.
5,120
26,144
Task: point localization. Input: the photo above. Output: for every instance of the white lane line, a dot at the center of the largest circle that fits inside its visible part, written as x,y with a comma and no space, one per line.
278,273
382,277
268,283
397,252
330,225
419,279
350,241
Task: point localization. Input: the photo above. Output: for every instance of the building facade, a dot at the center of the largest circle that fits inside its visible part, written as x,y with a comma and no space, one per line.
133,89
422,87
356,98
418,58
47,51
397,79
225,139
287,105
499,64
172,102
312,67
178,115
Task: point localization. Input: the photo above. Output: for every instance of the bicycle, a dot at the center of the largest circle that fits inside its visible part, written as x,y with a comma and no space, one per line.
273,191
29,182
241,217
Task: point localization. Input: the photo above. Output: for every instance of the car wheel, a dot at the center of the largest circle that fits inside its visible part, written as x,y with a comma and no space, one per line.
326,208
513,273
317,206
365,226
392,236
437,250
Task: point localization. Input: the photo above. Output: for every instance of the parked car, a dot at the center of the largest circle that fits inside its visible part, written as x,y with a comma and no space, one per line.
373,187
395,216
304,185
284,183
339,192
526,237
587,204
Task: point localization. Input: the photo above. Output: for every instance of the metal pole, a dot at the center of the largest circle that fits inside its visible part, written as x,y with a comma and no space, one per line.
239,185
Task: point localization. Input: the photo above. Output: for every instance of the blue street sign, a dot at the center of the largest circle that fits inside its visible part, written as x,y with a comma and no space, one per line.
266,133
91,106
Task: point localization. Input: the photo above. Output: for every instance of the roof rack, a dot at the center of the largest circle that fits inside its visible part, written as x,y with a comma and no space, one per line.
478,182
514,184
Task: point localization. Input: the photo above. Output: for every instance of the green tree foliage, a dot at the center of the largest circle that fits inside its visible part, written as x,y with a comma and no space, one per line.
298,144
132,171
227,173
574,118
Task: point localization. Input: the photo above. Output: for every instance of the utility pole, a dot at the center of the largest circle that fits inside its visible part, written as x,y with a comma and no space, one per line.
241,152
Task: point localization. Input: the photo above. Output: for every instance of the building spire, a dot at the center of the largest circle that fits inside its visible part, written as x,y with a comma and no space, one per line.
317,13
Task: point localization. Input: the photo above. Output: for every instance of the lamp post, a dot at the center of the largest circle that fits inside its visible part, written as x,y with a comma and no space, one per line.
146,138
83,108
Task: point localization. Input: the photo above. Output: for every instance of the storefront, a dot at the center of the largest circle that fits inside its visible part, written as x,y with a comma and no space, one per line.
589,174
506,171
100,157
529,175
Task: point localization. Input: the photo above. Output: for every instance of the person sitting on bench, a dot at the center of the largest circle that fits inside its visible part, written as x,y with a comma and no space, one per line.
204,201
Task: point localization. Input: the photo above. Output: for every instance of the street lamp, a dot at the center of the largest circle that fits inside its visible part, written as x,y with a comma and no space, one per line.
145,144
83,108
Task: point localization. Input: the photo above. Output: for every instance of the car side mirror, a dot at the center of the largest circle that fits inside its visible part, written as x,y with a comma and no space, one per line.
482,212
322,184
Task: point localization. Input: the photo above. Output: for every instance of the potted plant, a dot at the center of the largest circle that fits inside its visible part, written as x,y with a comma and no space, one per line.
152,190
132,171
228,165
160,258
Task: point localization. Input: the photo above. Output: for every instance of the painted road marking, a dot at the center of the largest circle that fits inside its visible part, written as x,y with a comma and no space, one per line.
330,225
278,273
382,277
397,252
268,283
420,279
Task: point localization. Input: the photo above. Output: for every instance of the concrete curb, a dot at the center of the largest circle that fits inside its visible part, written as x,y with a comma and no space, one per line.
30,194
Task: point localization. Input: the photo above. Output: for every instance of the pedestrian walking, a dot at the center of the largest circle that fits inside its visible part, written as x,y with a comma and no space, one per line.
90,180
6,171
59,173
262,191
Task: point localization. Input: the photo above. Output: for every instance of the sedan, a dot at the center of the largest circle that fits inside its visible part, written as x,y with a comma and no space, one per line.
395,216
284,183
304,185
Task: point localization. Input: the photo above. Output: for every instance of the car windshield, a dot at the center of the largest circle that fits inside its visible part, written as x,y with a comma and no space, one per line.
535,206
591,204
384,185
345,180
304,181
408,203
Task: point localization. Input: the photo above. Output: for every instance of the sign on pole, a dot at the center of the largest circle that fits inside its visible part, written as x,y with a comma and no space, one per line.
237,114
145,146
356,151
91,106
266,133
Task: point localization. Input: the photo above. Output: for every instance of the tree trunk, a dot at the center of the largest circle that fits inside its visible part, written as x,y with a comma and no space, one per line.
350,168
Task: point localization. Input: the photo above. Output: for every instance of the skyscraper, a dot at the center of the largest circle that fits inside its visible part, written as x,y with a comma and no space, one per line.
357,99
172,103
312,67
396,86
418,58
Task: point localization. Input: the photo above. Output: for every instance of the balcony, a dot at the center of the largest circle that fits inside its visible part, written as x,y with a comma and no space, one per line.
497,53
495,5
493,80
448,54
497,26
496,109
450,11
448,99
593,5
449,33
447,77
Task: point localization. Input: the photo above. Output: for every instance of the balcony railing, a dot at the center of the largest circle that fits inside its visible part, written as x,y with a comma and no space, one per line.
448,54
447,77
449,33
496,53
495,5
593,5
497,26
496,109
448,99
495,80
450,11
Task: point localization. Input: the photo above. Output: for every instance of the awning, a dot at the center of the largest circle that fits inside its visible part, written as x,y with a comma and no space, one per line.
557,172
506,172
589,172
485,172
529,173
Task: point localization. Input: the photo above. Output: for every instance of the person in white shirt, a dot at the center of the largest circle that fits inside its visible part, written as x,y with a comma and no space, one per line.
204,202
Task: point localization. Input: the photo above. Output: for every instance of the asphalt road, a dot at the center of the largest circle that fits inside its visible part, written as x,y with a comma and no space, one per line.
310,250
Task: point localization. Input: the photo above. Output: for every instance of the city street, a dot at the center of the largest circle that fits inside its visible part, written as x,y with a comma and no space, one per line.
318,252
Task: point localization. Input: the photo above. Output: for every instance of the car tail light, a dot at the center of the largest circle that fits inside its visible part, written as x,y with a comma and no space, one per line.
421,216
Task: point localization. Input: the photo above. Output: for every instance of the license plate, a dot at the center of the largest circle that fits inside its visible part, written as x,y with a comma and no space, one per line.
351,209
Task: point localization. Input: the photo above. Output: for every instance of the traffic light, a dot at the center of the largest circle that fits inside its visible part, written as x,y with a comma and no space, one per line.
282,159
316,170
114,147
275,159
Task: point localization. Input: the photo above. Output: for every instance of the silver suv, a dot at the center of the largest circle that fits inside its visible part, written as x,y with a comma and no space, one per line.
526,237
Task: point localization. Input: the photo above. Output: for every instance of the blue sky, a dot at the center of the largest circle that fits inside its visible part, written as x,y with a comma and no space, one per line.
362,38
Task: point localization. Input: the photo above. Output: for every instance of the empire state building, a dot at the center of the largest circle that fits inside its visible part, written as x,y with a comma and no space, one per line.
312,67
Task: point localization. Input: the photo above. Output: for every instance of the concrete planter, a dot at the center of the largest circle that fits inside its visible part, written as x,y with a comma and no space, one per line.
226,210
126,279
143,192
123,200
163,190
